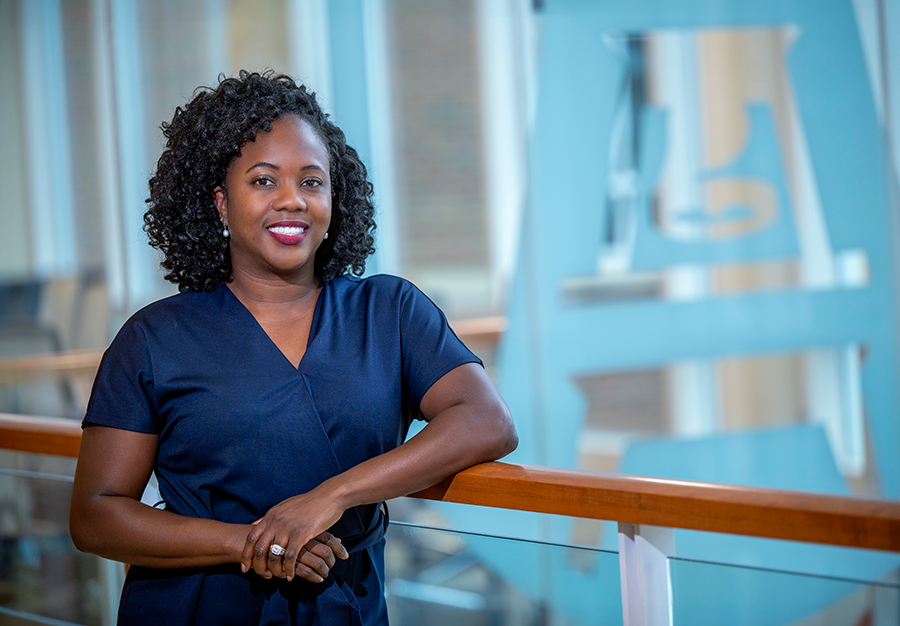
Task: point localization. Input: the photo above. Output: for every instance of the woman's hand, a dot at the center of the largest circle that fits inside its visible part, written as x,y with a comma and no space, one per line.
318,557
298,525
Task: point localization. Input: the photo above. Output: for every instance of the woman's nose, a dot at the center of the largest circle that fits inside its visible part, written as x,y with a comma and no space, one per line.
291,198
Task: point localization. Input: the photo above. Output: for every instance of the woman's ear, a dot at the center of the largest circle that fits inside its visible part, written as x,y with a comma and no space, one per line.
221,202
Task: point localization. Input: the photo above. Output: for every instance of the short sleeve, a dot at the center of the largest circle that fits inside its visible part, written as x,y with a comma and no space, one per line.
123,394
429,347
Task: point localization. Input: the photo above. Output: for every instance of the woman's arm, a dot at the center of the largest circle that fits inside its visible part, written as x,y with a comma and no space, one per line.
468,423
108,518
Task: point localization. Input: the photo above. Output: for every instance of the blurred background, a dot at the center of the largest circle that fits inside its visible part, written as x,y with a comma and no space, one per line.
669,228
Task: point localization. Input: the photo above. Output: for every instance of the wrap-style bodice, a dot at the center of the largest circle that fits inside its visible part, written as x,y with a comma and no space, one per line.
241,429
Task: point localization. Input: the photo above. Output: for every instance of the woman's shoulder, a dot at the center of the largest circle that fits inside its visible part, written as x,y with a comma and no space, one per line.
382,293
377,285
375,281
176,311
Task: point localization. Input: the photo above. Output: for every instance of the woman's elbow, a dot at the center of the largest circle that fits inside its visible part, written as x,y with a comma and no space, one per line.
78,531
83,528
80,527
504,438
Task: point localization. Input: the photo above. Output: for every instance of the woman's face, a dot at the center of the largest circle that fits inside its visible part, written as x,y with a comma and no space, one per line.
277,201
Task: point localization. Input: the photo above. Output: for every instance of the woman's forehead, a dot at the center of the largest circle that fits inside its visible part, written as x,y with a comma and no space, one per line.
290,136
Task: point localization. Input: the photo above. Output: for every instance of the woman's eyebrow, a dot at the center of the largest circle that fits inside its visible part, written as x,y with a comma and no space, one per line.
275,167
263,164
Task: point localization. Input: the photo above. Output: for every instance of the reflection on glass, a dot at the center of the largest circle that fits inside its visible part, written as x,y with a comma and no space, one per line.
441,577
713,594
813,388
710,197
710,188
41,572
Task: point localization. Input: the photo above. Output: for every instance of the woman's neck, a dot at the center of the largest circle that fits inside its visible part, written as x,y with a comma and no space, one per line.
273,293
283,309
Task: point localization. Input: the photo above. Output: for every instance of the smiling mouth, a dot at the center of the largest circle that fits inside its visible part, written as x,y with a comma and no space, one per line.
288,234
290,231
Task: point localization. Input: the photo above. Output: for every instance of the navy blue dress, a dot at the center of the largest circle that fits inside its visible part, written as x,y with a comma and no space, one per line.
240,430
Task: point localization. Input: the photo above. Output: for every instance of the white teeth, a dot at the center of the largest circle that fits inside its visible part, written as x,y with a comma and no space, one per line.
287,230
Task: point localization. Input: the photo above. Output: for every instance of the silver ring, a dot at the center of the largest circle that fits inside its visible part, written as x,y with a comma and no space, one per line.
276,549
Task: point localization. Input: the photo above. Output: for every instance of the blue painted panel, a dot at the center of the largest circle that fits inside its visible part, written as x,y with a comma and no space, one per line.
760,162
580,79
551,341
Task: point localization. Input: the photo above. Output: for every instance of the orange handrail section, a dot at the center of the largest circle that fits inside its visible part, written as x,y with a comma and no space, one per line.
733,509
40,435
778,514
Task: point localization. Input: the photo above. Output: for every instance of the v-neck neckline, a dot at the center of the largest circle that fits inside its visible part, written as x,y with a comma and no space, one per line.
309,338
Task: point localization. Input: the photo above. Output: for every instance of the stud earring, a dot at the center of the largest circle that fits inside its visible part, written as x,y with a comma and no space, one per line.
326,235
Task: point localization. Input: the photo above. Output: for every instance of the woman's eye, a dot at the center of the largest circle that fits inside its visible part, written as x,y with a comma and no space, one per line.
263,182
312,182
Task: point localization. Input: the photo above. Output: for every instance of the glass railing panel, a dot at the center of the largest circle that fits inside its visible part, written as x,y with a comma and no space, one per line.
47,398
774,554
705,593
441,577
43,577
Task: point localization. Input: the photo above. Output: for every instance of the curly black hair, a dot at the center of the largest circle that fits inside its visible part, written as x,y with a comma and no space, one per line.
201,141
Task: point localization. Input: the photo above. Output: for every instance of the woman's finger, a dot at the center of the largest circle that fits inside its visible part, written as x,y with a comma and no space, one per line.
313,560
322,551
261,554
275,559
315,555
249,546
305,572
335,544
290,560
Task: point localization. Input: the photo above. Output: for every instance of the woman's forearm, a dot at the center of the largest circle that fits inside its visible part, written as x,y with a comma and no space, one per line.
452,441
107,517
124,529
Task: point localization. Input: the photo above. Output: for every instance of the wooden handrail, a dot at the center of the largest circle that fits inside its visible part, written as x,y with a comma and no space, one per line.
733,509
40,435
58,365
774,513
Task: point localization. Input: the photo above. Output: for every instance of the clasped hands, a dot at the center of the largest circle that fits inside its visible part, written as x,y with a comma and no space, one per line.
309,552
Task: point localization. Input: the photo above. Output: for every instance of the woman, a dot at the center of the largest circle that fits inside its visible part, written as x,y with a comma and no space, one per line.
273,394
